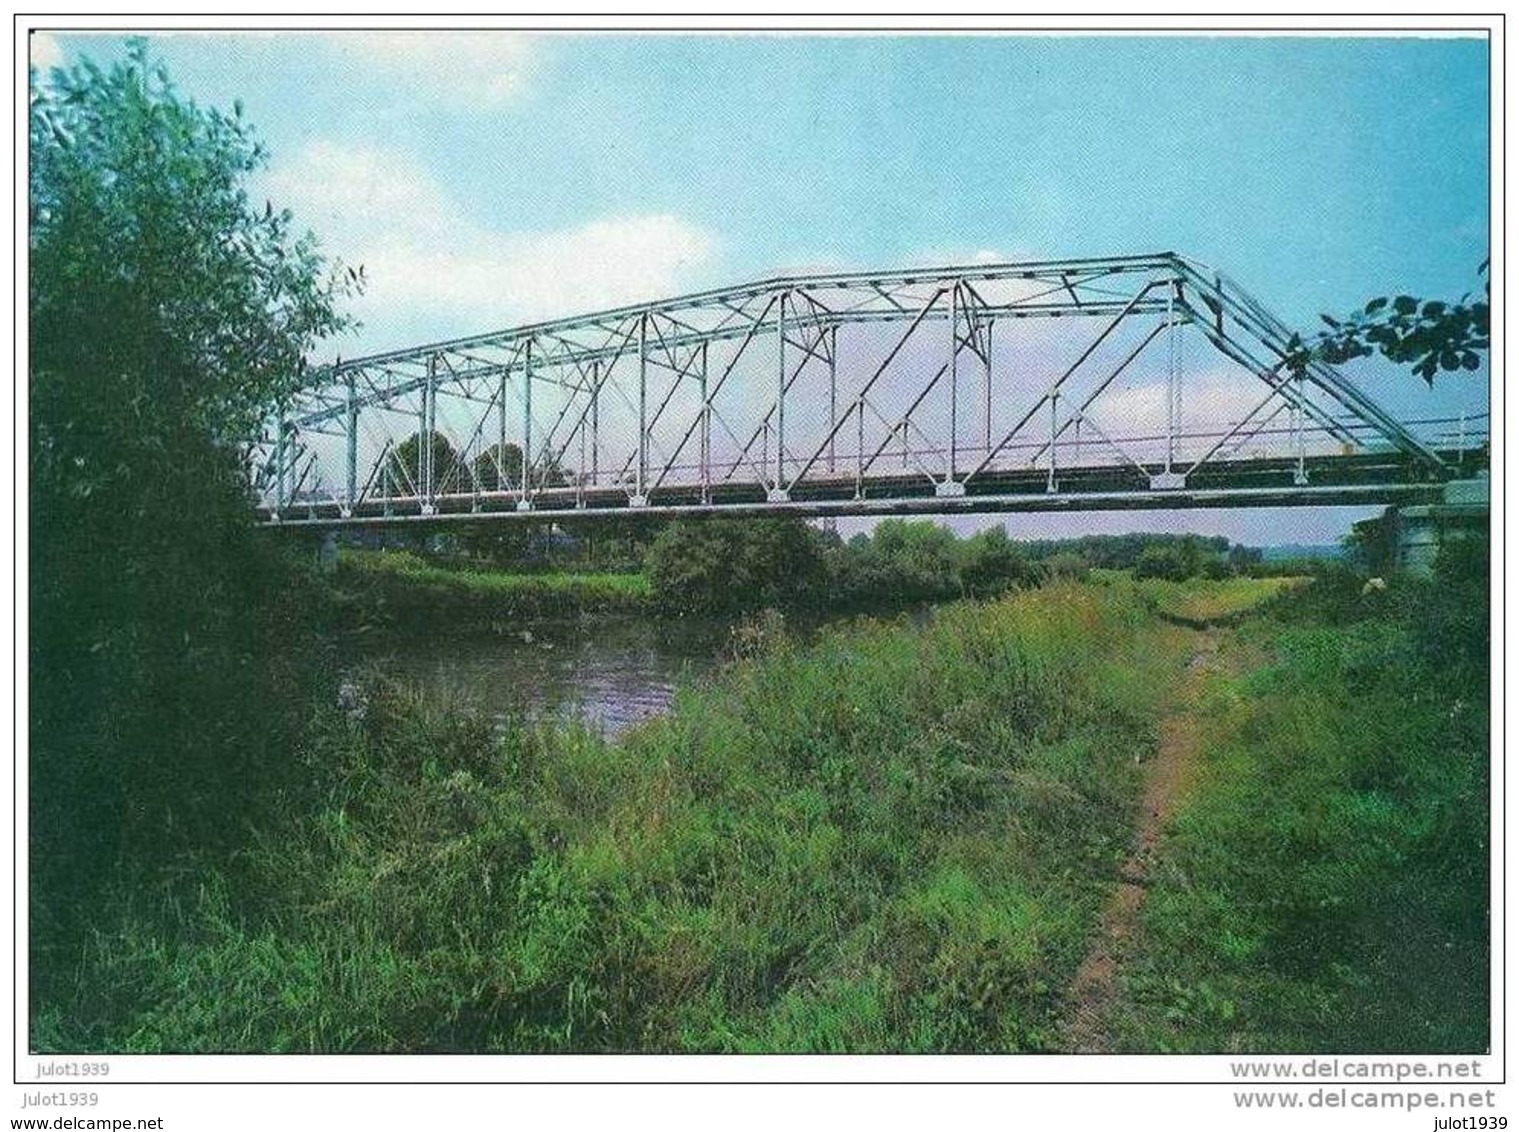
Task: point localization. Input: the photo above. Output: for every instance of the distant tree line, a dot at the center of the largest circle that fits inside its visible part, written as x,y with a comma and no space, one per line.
721,565
727,565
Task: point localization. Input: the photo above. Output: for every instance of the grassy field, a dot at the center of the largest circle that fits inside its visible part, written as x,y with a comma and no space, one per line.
900,837
398,589
1207,601
1325,883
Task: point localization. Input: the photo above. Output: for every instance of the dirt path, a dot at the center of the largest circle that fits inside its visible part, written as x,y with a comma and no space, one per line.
1091,993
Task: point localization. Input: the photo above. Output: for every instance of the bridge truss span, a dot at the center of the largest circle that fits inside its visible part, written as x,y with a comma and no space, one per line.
1135,381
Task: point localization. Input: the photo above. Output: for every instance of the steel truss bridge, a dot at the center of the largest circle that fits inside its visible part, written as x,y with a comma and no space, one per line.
1085,384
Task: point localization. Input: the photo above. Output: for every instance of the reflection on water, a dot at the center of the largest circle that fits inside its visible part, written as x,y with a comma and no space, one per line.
610,673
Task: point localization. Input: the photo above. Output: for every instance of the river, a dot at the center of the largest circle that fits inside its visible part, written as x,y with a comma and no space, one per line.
610,672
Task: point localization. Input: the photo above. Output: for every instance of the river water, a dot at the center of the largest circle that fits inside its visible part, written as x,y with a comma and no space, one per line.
610,672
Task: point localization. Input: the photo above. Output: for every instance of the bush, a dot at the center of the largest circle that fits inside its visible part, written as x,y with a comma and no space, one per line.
899,563
167,315
1180,559
712,566
991,564
1165,562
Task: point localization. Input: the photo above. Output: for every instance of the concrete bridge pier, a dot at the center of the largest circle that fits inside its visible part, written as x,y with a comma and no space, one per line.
1418,532
327,553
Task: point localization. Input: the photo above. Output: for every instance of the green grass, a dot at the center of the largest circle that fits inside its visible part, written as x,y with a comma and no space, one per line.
1211,601
896,838
399,589
1325,885
899,837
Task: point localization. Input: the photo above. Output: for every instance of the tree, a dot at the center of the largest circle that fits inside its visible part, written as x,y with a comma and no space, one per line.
169,313
1427,335
1178,559
729,565
493,462
991,563
403,471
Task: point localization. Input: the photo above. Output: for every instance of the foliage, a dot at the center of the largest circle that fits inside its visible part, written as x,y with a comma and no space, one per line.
158,290
1121,552
402,473
896,838
991,564
903,562
1325,887
1065,566
899,838
1427,335
1201,602
452,474
168,311
726,565
398,589
899,562
499,468
1178,559
1372,544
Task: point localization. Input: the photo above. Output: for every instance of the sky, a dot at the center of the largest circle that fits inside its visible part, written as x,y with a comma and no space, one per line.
486,179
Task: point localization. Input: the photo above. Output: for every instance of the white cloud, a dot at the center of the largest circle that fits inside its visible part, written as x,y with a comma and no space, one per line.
966,256
434,270
45,51
1213,402
472,66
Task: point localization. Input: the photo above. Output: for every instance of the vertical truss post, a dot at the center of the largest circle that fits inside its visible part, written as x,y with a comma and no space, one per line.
1171,478
501,396
833,395
957,310
1178,360
859,449
1299,437
1054,433
526,502
954,375
705,442
1170,381
639,498
425,467
281,446
777,492
580,471
595,423
986,389
351,435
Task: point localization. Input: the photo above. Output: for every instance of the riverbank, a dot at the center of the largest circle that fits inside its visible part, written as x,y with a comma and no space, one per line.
400,591
896,837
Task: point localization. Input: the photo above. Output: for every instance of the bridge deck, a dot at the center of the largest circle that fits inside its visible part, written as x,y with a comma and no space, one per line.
1358,478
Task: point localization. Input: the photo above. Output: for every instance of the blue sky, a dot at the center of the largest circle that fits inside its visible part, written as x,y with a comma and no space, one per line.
485,179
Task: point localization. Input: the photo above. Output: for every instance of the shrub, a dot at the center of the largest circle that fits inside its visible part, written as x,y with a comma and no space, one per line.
991,564
730,565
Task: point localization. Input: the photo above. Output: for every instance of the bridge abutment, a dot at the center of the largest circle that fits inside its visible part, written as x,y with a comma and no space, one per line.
1417,533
